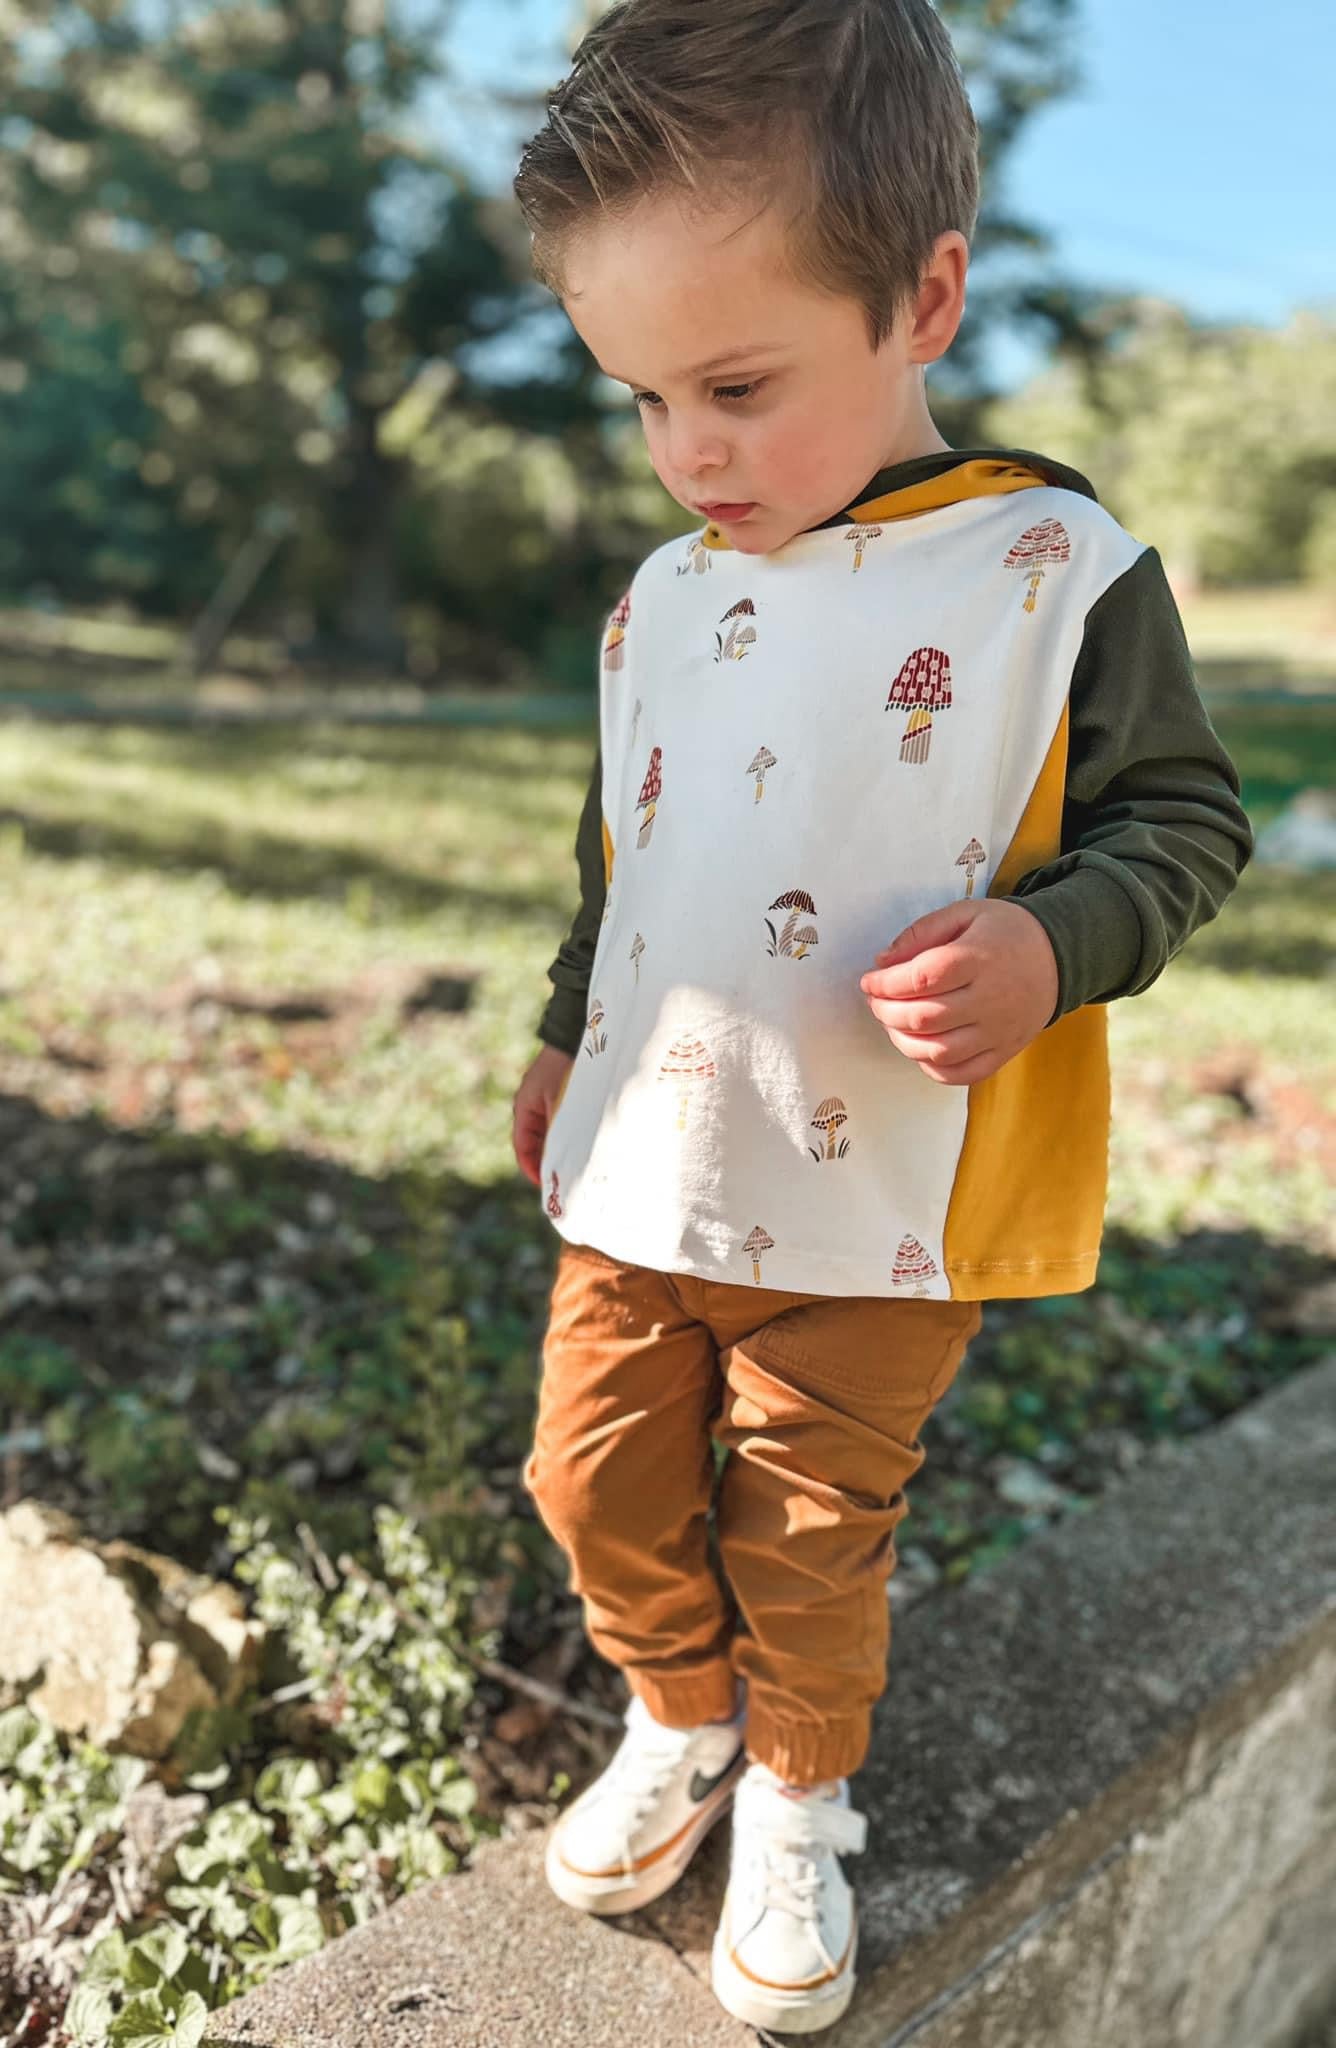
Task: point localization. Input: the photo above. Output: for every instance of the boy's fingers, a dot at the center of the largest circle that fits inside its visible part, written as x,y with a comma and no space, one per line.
940,972
928,1016
934,928
939,1048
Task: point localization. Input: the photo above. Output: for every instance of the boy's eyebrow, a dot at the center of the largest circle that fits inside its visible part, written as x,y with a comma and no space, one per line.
732,355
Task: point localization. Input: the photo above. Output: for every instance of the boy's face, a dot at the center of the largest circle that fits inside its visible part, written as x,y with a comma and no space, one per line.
788,430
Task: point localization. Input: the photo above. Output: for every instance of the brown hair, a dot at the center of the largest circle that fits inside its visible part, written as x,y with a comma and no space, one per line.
852,112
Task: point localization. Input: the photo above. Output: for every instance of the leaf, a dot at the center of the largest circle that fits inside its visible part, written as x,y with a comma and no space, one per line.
771,929
815,1154
157,1954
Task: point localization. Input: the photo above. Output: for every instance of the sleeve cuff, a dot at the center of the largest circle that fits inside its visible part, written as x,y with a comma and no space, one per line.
563,1021
1095,932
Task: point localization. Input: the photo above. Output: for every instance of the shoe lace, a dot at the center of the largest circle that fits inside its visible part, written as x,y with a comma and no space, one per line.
794,1838
640,1774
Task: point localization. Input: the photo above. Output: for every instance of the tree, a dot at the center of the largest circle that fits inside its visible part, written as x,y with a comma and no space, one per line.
1217,444
241,188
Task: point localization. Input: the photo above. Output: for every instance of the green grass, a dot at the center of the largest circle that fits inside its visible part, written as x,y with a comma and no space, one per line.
155,883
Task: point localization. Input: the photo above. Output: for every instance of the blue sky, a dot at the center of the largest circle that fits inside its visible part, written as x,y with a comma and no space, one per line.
1197,161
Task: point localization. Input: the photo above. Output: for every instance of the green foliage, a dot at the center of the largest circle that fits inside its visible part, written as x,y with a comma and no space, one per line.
1215,444
296,1846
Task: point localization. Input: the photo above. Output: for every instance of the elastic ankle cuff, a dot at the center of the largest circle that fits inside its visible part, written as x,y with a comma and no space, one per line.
686,1702
803,1752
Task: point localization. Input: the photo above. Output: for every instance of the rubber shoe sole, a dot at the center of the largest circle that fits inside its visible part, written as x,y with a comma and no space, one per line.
619,1892
770,2005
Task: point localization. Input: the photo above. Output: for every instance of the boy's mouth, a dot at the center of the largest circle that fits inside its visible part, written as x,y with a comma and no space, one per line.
727,513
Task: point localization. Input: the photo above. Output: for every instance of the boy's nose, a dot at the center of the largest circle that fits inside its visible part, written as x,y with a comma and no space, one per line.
695,455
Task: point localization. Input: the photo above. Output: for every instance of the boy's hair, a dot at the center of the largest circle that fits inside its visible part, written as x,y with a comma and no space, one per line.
852,113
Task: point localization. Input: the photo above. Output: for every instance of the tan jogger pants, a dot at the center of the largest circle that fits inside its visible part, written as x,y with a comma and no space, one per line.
820,1399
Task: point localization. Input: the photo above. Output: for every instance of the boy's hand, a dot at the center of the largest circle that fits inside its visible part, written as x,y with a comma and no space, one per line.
535,1103
965,988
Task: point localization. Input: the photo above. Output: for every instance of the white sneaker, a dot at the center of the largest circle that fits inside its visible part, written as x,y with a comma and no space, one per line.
631,1834
784,1954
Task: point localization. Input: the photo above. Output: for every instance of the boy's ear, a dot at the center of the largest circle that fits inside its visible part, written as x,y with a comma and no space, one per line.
940,304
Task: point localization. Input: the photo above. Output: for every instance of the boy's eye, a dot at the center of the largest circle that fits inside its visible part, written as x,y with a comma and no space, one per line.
731,393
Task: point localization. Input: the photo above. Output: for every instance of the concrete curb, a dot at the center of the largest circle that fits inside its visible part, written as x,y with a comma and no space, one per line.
1101,1796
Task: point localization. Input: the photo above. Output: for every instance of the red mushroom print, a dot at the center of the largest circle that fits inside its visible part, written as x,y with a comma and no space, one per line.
650,790
760,761
614,651
860,536
922,687
970,859
598,1039
637,948
830,1115
688,1063
757,1243
740,635
697,557
792,942
912,1263
1037,549
554,1207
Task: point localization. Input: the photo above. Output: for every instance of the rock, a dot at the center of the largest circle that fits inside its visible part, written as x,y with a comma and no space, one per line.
1303,836
1025,1486
113,1642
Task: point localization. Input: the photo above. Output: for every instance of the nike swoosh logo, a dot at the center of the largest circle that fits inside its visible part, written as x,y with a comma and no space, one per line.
701,1786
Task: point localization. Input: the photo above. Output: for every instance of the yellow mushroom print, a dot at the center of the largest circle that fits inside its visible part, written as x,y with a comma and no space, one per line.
650,791
830,1115
761,760
970,859
741,636
913,1267
922,687
688,1064
598,1038
614,649
860,536
757,1243
796,939
1039,548
697,557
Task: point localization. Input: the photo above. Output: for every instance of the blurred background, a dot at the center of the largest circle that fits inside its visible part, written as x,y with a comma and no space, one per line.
311,508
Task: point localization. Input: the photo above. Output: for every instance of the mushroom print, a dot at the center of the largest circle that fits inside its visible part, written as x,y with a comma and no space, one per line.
554,1207
761,760
912,1263
830,1115
614,651
1038,548
697,558
792,942
687,1063
598,1040
757,1243
637,948
922,687
860,536
650,790
970,859
740,635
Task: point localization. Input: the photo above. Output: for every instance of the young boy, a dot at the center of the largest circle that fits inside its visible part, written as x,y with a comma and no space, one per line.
903,776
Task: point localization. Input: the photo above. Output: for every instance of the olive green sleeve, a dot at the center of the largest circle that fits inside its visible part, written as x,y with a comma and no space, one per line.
1154,837
563,1021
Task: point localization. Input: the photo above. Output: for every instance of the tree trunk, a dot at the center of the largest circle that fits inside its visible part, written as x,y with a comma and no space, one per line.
368,611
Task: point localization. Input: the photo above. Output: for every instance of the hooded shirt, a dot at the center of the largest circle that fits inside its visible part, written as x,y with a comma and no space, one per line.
972,681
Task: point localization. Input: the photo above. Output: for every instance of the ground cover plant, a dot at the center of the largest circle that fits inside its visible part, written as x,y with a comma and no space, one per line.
271,1291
